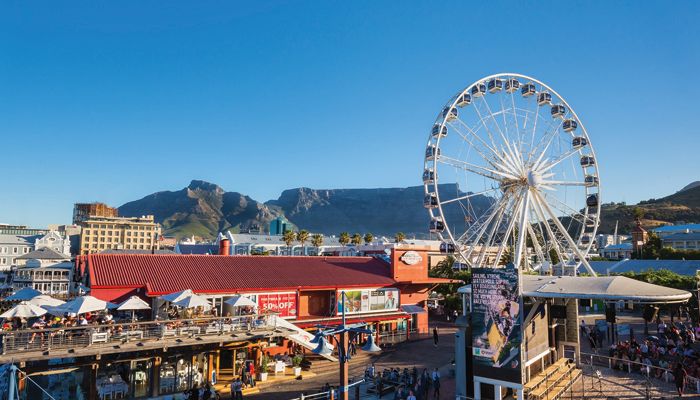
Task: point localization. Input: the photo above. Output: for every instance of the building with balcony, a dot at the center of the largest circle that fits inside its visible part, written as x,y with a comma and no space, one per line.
45,270
683,241
617,251
13,246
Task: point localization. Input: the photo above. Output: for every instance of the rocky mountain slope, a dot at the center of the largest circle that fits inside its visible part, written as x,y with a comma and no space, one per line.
682,206
202,209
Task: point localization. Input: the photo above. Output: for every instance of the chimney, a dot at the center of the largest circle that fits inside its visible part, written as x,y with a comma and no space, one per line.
224,247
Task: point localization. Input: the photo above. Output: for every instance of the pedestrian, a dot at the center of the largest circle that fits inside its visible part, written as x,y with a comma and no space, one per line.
380,387
193,394
206,393
436,386
455,314
436,338
411,396
679,376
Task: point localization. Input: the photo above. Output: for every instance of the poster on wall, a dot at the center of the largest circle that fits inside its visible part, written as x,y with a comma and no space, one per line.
360,301
497,323
283,303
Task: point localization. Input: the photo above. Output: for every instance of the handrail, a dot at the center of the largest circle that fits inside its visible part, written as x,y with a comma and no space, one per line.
27,340
667,373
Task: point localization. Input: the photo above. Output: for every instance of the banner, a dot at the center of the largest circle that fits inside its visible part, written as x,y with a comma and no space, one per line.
283,303
497,323
361,301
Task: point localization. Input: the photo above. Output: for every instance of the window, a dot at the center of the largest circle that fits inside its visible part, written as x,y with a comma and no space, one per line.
87,231
14,250
3,261
26,250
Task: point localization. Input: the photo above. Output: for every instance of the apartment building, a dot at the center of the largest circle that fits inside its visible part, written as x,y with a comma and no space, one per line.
130,233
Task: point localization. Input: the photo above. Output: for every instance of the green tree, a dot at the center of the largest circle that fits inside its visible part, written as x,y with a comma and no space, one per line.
652,248
317,239
344,238
399,237
356,239
638,213
302,236
289,237
368,238
445,269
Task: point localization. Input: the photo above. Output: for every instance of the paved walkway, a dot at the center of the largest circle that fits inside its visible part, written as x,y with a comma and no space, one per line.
419,353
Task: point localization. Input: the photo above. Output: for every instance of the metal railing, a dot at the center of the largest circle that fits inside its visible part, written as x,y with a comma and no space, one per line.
648,371
392,338
330,394
29,340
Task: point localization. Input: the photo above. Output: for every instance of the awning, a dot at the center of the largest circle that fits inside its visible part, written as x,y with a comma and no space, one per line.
413,309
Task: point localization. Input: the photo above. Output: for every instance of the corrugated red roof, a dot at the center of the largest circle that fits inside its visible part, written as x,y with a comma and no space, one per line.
161,274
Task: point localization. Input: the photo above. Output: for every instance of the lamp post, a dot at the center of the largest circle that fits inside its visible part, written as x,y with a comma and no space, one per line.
343,342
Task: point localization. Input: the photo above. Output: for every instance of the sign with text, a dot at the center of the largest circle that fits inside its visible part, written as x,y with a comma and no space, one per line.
283,303
497,323
368,300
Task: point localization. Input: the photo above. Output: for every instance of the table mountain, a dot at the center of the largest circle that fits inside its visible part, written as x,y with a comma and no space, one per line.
203,209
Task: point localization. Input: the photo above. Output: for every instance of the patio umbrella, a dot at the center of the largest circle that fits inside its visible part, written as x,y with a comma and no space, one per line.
192,302
177,296
23,294
241,301
24,310
133,303
80,305
45,300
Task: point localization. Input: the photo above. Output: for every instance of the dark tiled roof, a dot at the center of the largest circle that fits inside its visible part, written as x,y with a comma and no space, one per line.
44,254
162,274
198,248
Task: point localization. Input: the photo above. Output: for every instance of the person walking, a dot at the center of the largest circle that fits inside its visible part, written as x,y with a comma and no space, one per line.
679,377
436,338
436,386
193,394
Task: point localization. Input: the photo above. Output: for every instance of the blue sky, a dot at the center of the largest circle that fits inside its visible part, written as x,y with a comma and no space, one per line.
111,101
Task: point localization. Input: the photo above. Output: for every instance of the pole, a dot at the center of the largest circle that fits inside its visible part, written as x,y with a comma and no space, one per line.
12,389
697,283
342,357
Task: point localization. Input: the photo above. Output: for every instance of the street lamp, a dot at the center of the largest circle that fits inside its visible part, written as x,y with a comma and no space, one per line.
324,347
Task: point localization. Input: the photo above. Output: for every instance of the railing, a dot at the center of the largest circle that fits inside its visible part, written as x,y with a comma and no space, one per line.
28,340
330,394
648,371
392,337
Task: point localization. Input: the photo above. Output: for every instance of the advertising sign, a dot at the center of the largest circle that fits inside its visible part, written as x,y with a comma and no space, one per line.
497,323
368,300
283,303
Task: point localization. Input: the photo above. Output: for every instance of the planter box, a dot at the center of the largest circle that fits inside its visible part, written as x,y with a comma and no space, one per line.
262,376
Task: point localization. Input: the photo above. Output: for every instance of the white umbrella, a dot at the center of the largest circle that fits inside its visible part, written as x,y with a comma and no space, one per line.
24,310
23,294
177,296
45,300
241,301
192,302
80,305
133,303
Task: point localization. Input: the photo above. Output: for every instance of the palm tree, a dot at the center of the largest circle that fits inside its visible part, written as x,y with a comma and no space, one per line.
317,240
302,237
368,238
400,237
356,239
289,237
344,238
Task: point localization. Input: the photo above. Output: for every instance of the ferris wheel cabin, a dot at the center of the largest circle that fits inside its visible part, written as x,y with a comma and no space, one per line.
447,248
430,201
439,131
544,98
592,200
579,142
528,90
587,161
591,180
569,125
495,85
431,152
512,85
428,176
558,111
449,113
436,225
478,90
464,100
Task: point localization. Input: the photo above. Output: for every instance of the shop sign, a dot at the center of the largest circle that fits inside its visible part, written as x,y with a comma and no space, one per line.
411,258
368,300
283,303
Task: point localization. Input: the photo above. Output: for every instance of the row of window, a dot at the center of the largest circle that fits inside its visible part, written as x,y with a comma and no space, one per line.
120,226
14,250
45,287
94,247
42,275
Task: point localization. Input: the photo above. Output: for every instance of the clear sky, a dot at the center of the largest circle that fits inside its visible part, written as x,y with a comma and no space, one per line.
111,101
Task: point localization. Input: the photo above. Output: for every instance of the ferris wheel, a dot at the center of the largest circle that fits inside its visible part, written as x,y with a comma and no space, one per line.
510,175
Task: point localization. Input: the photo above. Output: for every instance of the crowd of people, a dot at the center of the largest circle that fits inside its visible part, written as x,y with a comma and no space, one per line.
668,355
406,384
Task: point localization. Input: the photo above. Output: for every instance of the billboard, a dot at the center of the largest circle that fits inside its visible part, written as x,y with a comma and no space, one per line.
283,303
497,323
368,300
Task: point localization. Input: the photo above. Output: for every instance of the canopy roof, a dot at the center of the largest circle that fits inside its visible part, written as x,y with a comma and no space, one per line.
241,301
24,310
81,305
134,303
611,288
45,300
601,287
25,293
192,302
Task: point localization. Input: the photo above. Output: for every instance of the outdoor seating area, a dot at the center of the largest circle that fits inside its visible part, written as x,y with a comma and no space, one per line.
553,381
